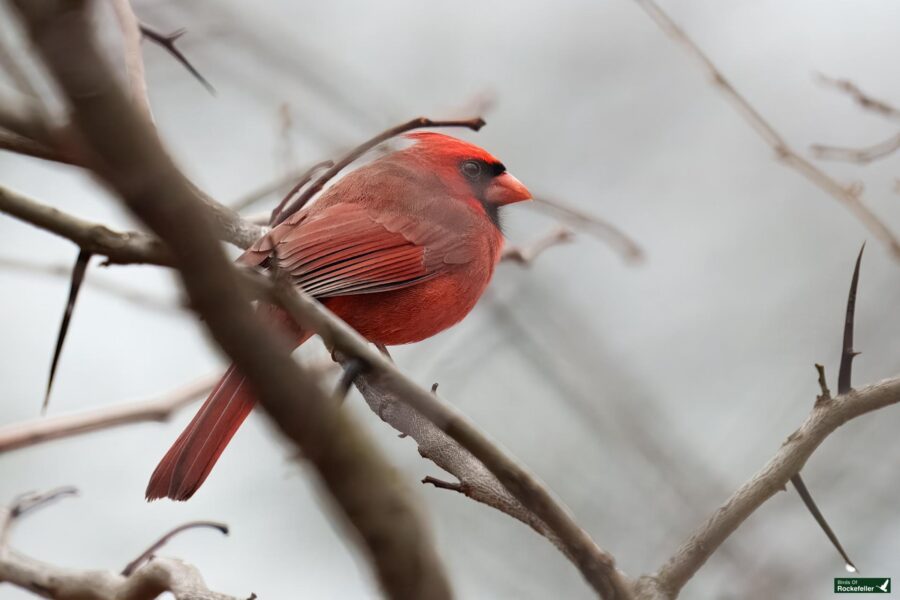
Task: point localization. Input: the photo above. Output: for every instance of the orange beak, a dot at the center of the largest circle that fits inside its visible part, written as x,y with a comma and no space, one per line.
506,189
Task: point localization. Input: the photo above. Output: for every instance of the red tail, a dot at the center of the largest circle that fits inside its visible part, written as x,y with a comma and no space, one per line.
190,459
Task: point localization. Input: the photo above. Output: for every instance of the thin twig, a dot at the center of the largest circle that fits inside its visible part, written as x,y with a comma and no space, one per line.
474,124
863,155
151,550
850,196
604,231
24,504
863,99
36,431
255,195
526,254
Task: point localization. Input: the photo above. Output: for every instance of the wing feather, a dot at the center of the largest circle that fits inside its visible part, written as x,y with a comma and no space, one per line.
346,249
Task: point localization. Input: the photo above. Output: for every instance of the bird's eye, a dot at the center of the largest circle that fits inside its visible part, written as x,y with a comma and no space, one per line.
471,169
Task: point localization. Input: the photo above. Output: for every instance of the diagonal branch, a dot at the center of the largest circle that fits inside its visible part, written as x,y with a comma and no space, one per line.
849,196
596,565
351,468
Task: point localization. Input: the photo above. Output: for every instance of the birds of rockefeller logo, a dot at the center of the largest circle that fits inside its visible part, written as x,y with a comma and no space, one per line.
862,585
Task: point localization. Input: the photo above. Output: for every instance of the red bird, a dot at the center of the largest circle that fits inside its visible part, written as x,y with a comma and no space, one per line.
400,249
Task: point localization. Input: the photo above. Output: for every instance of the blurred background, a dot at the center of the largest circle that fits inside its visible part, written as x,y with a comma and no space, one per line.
642,394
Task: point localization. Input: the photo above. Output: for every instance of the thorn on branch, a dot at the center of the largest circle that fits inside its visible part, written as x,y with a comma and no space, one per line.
847,352
78,273
825,396
148,553
807,498
167,43
444,485
418,123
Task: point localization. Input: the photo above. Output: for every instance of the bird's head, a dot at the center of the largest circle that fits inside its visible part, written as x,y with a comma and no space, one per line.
468,169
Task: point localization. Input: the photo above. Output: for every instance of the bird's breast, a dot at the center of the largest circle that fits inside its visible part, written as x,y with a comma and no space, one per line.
415,313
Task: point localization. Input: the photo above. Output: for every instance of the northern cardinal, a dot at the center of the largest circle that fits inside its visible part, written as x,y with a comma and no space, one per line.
400,249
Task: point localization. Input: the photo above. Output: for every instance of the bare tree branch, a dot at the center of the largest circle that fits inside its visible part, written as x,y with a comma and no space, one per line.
848,195
28,433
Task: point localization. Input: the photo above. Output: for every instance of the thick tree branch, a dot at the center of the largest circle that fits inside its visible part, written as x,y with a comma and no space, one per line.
827,416
848,195
131,160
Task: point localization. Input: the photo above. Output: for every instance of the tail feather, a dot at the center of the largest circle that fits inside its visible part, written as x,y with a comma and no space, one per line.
191,458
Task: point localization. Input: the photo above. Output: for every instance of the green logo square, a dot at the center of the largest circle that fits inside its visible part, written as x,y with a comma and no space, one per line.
862,585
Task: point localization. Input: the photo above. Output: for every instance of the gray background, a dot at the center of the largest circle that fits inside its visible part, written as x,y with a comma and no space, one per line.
642,395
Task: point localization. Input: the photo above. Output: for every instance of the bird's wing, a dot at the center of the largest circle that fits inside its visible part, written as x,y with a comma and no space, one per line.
348,249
